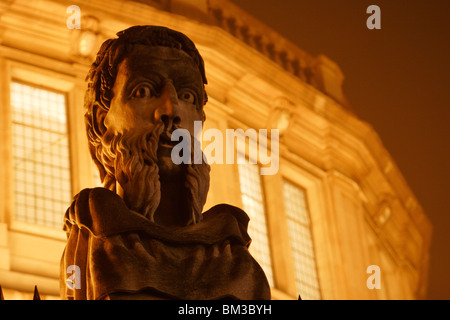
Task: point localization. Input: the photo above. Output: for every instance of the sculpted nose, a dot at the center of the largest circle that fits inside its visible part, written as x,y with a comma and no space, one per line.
167,109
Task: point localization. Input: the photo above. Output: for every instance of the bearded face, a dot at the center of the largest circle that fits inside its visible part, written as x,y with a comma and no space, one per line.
157,90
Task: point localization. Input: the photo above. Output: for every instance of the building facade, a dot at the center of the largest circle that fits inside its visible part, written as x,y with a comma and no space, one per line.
333,219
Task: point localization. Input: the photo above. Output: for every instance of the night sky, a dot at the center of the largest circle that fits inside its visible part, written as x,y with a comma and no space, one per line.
398,80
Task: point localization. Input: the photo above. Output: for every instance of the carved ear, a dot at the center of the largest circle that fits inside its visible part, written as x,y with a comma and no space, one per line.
98,119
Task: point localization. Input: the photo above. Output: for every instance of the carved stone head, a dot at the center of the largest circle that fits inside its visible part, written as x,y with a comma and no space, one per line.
142,86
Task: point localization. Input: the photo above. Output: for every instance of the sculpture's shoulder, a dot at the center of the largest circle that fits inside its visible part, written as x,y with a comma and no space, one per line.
228,210
91,199
225,218
94,194
102,212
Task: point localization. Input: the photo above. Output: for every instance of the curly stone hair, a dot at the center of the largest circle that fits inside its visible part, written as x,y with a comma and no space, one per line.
103,72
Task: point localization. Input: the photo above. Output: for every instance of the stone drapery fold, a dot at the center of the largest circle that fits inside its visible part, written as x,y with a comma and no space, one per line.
119,251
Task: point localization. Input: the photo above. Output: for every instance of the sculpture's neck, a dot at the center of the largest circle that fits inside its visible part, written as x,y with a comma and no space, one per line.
174,208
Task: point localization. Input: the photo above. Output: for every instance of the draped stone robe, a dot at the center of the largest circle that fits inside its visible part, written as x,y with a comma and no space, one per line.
120,253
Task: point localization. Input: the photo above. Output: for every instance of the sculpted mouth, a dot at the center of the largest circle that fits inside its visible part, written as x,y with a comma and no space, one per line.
165,140
164,148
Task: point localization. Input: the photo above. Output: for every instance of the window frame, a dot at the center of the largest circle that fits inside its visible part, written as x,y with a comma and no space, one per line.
264,205
245,153
312,181
48,80
288,179
66,134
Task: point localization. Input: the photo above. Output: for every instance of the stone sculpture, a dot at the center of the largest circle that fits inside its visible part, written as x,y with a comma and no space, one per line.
143,235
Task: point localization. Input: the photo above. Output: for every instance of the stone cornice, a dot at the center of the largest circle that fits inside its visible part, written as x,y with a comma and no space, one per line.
272,45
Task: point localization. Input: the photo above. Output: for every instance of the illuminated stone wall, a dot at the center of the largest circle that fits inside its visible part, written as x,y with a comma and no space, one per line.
357,209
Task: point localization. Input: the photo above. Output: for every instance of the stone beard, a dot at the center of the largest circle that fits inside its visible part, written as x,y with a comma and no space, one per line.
143,235
132,161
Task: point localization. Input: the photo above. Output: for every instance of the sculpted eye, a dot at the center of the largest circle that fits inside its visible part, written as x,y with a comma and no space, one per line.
142,91
188,96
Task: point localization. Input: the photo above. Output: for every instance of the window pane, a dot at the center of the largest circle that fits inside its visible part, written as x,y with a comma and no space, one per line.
41,155
299,229
252,199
